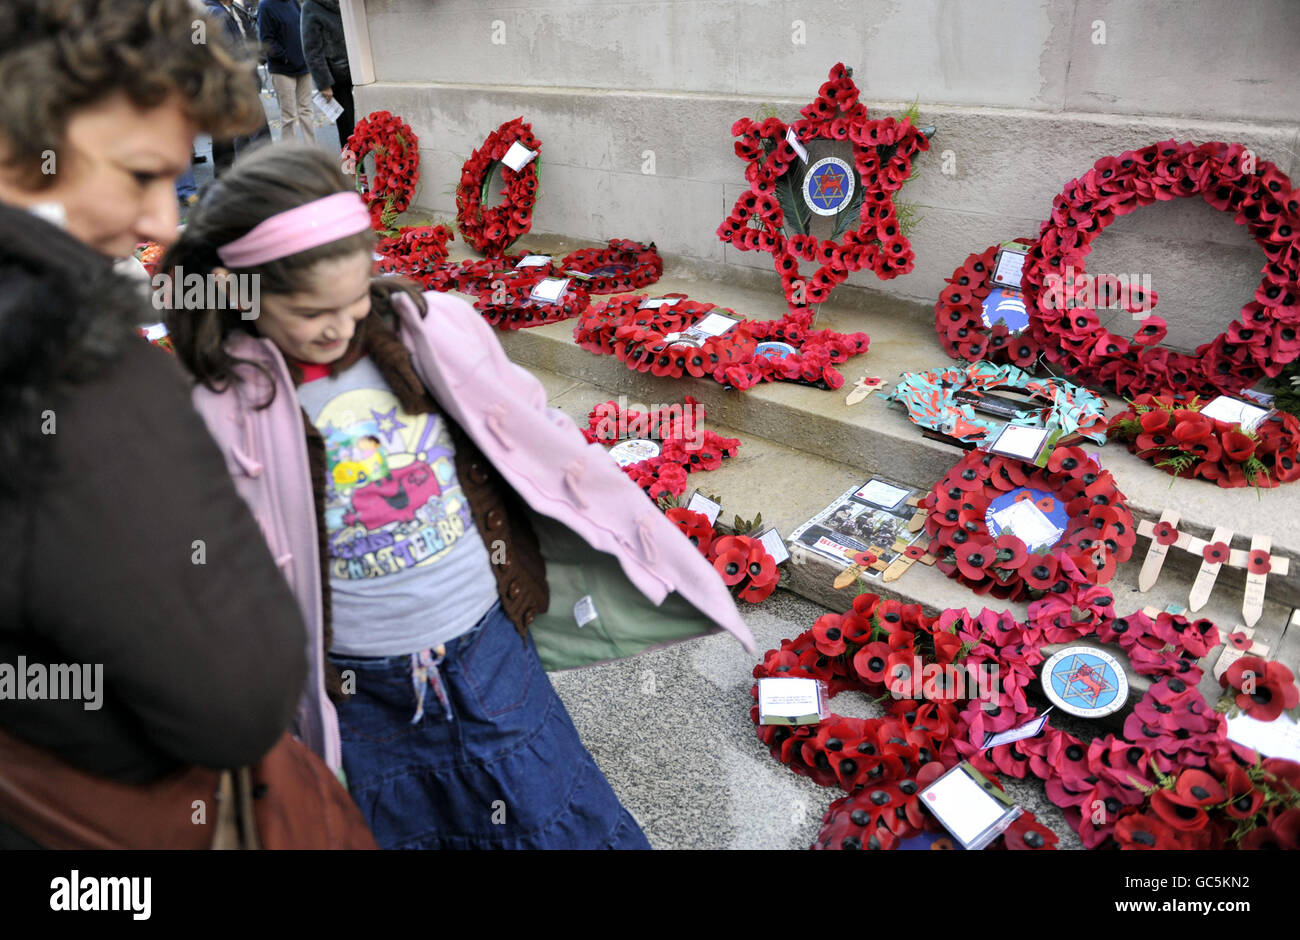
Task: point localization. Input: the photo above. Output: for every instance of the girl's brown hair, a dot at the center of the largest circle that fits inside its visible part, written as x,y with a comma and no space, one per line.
59,56
268,181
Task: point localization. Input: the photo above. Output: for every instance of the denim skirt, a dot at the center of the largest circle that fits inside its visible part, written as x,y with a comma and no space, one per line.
493,760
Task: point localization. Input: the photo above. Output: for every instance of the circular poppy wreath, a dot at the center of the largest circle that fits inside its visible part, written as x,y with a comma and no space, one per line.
1099,535
1172,433
1142,778
473,276
637,336
625,265
492,230
415,251
931,401
868,233
1060,297
509,304
685,448
396,150
959,317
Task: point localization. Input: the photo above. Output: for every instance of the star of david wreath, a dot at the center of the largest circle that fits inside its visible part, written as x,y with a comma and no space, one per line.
773,214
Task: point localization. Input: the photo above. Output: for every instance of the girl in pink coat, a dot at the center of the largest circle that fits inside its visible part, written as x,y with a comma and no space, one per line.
447,536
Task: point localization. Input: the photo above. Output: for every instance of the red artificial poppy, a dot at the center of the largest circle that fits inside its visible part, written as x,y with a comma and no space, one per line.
1216,553
1264,689
871,661
1041,572
1240,640
946,647
1238,446
914,551
1243,798
1165,534
975,557
864,559
1260,562
731,565
1145,832
756,592
1200,787
864,605
1027,833
1157,419
828,635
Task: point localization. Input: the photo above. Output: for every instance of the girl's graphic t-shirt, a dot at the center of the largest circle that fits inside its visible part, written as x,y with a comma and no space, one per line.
408,568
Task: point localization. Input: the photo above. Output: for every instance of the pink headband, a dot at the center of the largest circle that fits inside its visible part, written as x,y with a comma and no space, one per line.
287,233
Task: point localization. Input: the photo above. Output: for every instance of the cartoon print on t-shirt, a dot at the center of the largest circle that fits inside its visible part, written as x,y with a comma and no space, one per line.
392,501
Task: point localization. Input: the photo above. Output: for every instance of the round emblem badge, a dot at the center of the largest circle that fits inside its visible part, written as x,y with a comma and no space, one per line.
633,451
1007,306
1086,682
1039,525
828,186
775,350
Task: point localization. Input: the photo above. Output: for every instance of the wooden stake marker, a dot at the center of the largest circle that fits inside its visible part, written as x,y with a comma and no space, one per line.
862,388
1205,578
1155,559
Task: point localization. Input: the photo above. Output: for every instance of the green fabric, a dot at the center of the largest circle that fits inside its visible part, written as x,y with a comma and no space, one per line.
627,621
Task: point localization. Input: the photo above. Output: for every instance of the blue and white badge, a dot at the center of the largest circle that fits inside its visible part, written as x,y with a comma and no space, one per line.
1036,517
828,186
775,350
1007,306
1086,682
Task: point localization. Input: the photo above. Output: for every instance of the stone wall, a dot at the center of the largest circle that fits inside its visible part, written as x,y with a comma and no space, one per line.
634,100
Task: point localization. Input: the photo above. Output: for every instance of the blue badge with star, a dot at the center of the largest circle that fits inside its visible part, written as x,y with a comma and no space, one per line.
828,186
1085,681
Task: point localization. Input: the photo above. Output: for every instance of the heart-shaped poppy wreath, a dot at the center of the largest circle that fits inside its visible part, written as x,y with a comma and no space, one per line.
492,231
396,150
931,401
1060,298
1099,535
1142,789
868,234
637,336
684,447
959,320
623,266
1172,433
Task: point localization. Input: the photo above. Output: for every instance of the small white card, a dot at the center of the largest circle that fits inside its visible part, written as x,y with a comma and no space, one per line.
879,493
549,289
799,148
972,814
652,303
1277,738
1028,523
154,331
715,324
1029,729
584,612
791,701
775,545
327,106
1233,411
1020,442
518,156
702,504
633,451
533,261
1010,266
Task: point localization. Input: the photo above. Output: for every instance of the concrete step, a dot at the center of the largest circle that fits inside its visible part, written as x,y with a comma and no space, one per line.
876,438
789,485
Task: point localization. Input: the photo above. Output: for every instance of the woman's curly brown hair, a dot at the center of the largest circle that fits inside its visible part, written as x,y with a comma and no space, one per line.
58,56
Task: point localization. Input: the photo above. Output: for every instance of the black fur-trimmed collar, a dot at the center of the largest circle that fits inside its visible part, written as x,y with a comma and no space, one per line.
64,317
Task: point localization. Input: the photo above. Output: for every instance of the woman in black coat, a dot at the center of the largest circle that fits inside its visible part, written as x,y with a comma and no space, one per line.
327,58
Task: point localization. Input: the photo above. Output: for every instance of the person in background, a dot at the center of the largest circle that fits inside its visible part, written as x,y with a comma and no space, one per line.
241,32
327,57
140,556
280,29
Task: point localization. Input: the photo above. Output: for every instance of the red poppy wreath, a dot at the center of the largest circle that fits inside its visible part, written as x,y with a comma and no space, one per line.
959,317
396,150
648,340
685,447
625,265
745,566
509,303
1061,298
775,212
416,252
1174,434
958,677
493,230
1093,527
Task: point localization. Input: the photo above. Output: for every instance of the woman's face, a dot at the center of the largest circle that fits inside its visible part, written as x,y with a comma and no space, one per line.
316,324
115,175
